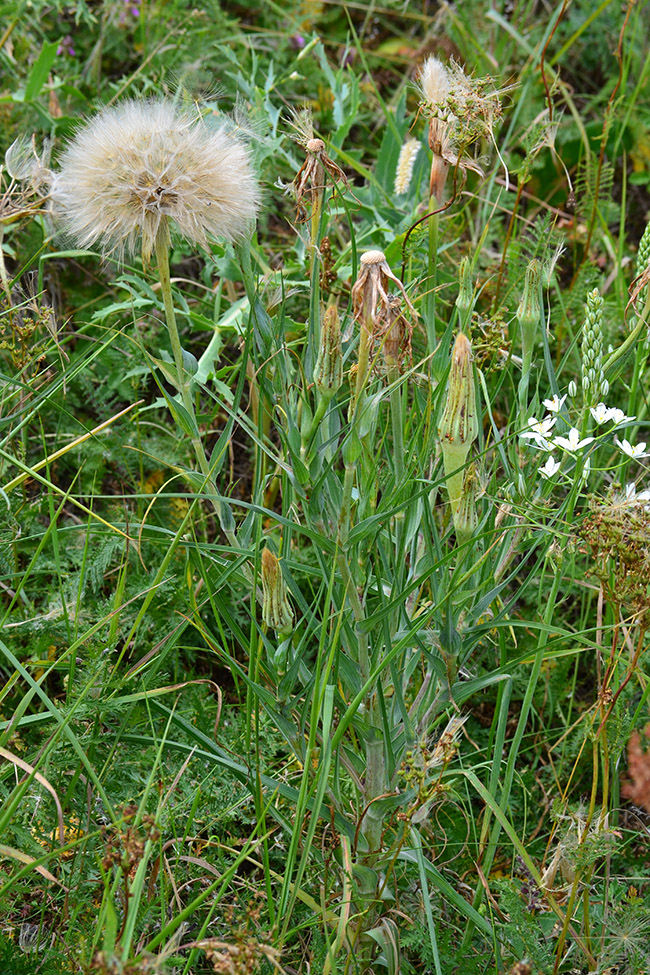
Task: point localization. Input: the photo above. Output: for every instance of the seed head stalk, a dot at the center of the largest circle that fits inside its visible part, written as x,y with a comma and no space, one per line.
313,337
161,246
355,447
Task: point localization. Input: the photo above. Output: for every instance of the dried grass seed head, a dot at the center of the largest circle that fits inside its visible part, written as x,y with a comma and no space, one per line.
139,164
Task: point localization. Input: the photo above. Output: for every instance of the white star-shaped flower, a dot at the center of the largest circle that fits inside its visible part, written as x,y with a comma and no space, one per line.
631,496
554,405
550,468
601,413
573,441
538,431
636,452
618,416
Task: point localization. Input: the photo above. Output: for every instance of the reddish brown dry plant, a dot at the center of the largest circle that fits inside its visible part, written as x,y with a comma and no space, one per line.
104,963
618,536
637,787
125,847
393,333
243,956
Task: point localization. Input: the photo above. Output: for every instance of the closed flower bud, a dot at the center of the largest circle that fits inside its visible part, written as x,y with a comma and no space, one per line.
528,315
328,371
459,425
465,297
529,310
276,611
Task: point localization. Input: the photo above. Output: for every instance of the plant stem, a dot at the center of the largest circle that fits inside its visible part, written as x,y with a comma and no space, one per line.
183,383
396,421
432,278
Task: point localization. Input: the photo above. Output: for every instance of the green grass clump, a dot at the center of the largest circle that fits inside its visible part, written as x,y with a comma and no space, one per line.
324,542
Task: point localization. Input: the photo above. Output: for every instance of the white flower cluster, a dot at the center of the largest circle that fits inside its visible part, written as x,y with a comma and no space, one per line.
540,434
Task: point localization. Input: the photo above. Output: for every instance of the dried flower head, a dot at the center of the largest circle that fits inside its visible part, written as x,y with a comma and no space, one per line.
394,333
140,164
309,181
370,290
460,110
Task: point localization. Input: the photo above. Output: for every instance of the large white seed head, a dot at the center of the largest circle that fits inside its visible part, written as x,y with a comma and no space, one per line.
138,164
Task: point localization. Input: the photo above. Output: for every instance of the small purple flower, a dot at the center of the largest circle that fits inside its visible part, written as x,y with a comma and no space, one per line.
297,42
66,46
131,7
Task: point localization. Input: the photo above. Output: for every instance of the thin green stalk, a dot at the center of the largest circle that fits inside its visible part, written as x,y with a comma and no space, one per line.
162,262
396,422
432,277
184,385
631,339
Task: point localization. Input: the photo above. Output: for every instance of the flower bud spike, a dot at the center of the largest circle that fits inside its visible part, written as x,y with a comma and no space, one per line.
593,378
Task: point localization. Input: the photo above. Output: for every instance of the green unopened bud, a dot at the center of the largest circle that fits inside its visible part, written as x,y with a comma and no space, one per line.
458,427
528,316
465,298
276,611
529,311
328,371
464,509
